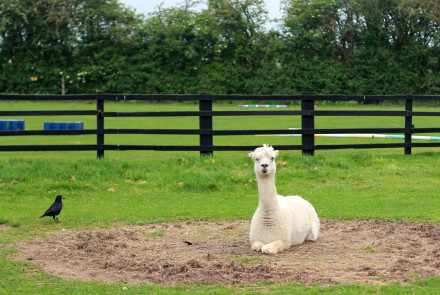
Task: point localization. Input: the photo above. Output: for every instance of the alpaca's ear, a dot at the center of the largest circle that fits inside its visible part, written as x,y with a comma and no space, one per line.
276,153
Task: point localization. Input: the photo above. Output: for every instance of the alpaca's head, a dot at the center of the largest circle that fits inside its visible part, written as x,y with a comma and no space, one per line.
264,160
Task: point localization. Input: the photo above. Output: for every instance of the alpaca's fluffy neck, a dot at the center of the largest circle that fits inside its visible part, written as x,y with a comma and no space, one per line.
267,191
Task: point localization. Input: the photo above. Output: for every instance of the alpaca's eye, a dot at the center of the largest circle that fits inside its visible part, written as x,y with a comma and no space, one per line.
272,158
258,159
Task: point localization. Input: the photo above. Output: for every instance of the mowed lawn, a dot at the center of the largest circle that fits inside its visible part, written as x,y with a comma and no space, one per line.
148,187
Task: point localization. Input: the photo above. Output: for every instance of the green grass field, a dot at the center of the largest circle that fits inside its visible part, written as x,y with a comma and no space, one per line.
144,187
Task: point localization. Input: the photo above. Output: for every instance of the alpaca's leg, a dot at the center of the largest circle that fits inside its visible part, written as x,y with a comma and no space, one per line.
257,245
274,247
314,231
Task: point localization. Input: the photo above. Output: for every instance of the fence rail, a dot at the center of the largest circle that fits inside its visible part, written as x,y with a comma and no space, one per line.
206,115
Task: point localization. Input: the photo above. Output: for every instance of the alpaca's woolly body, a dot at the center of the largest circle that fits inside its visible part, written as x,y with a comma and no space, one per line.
279,222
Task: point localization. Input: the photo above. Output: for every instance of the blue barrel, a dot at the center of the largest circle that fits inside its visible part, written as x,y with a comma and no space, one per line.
63,125
11,125
52,125
76,125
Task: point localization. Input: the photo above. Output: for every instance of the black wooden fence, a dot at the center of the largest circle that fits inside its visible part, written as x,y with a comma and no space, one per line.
205,114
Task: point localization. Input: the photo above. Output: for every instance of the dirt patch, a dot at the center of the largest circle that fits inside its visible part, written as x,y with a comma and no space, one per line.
4,227
351,252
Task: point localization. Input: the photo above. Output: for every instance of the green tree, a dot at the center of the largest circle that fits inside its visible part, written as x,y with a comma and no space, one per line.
388,46
239,46
36,40
170,53
107,35
47,37
324,46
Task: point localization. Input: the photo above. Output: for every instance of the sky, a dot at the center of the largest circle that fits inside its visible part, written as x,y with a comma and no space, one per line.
146,6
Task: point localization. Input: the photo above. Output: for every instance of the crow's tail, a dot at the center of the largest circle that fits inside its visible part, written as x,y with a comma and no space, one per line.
42,216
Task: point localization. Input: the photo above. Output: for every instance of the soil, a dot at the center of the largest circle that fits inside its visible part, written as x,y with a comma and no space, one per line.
4,226
347,252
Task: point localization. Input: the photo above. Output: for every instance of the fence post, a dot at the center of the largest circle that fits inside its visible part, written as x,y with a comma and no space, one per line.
408,125
205,123
100,126
308,123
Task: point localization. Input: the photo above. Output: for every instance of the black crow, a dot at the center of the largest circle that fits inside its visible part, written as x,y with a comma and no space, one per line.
54,209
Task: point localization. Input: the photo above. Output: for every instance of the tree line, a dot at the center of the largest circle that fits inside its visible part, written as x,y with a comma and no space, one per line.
319,46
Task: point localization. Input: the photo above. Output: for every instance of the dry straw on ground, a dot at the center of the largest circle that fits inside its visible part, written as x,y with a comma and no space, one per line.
347,252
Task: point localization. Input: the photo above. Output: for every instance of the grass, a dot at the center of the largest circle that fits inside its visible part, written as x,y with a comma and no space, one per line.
160,233
247,260
141,188
116,192
369,249
136,192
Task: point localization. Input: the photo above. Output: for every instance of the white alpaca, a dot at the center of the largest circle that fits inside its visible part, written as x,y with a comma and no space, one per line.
279,222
